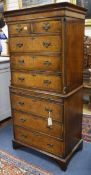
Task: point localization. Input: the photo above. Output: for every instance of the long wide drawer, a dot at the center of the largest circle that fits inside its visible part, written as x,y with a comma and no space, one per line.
37,106
36,44
39,124
39,141
43,81
36,62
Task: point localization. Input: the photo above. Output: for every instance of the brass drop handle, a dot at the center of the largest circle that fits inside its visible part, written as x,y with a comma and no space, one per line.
36,134
20,103
47,82
24,136
23,119
47,63
33,74
48,110
21,78
50,145
21,61
33,57
49,127
35,118
46,26
19,45
19,29
46,44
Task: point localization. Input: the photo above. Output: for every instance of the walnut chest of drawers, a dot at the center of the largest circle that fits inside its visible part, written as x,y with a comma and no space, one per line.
46,49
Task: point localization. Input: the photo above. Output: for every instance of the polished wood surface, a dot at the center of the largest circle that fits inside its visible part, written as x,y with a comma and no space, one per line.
37,81
74,53
66,115
73,111
35,44
37,62
42,26
42,106
32,121
39,141
46,47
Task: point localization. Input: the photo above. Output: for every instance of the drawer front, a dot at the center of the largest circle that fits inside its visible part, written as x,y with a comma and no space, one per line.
38,106
35,80
23,28
21,44
47,43
37,123
36,44
39,141
32,62
47,26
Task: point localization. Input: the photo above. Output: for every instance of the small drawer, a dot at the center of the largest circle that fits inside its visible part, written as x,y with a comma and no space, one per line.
21,44
20,28
35,44
47,26
39,141
37,106
37,81
36,62
37,123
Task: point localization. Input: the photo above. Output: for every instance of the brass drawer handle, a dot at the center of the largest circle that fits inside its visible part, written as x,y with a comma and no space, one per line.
35,118
33,74
46,44
35,134
24,136
19,29
48,110
23,119
33,57
47,82
21,78
20,103
49,127
50,145
19,45
46,26
21,61
47,63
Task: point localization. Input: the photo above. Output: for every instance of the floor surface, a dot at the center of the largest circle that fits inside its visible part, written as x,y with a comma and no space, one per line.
80,164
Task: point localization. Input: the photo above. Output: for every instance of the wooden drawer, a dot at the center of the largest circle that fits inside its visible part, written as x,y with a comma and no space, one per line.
37,62
39,141
37,106
39,124
47,26
35,80
20,28
36,44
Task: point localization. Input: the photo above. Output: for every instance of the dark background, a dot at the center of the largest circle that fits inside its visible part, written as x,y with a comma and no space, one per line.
2,22
87,5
